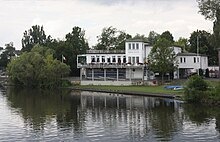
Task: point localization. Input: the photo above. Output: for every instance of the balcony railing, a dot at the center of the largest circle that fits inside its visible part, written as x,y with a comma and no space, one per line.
109,65
105,51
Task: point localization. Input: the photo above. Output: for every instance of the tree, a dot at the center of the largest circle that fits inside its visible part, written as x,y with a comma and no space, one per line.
168,36
37,68
204,40
7,54
35,35
74,45
153,37
211,10
183,43
112,39
162,58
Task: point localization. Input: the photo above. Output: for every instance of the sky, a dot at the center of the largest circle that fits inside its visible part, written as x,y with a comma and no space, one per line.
58,17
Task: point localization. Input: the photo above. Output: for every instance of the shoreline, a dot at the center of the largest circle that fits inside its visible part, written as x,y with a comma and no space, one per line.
136,93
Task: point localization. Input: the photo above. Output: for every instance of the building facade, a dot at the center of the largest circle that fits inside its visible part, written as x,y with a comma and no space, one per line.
130,65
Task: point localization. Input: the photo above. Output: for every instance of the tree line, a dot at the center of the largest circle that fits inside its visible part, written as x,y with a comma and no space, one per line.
75,42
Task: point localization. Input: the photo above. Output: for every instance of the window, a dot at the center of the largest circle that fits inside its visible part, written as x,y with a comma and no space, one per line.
109,60
113,59
129,59
133,46
119,59
133,60
137,46
124,59
103,59
194,59
92,59
137,60
129,46
97,59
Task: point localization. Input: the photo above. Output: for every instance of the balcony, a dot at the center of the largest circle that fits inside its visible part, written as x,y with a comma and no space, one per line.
109,65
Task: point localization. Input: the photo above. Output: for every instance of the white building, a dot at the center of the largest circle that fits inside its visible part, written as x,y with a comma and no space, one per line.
128,66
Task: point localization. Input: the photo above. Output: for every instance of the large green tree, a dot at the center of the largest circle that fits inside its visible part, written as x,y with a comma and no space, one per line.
201,41
7,54
37,68
112,39
35,35
168,36
162,58
74,45
211,10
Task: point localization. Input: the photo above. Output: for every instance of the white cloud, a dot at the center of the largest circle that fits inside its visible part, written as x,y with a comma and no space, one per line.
58,17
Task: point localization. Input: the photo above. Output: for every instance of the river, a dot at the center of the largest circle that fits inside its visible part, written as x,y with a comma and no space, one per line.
62,115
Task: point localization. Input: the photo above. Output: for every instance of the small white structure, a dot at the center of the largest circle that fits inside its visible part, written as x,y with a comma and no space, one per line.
130,64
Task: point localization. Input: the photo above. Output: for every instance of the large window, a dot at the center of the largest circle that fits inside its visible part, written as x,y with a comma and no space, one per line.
97,59
133,60
92,59
119,59
103,59
137,60
113,59
129,59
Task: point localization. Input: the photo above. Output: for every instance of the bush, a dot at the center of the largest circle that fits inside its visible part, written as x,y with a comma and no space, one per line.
196,89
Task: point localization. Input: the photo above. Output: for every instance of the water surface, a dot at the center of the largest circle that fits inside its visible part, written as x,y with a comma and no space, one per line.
61,115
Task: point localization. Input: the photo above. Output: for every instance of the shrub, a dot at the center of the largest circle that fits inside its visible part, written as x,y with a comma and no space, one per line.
196,89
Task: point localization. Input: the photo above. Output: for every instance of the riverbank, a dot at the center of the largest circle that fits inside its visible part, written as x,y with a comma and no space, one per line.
150,91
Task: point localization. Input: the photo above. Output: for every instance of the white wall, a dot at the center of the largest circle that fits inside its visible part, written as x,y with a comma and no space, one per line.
201,62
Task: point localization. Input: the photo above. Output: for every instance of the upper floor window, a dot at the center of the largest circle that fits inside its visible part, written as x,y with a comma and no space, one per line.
119,59
92,59
113,59
103,59
129,46
133,46
97,59
137,46
194,59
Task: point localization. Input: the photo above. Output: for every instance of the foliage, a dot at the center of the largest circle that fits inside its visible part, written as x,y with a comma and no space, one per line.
211,10
204,40
33,36
112,39
37,68
183,43
74,45
162,58
7,55
168,36
153,37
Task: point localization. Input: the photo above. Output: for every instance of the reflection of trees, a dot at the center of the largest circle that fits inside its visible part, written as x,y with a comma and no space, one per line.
201,114
38,106
165,120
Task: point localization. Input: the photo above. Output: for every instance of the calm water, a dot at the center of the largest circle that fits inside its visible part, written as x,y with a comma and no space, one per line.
34,115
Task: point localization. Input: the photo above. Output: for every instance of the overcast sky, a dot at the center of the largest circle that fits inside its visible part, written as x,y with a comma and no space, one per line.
58,17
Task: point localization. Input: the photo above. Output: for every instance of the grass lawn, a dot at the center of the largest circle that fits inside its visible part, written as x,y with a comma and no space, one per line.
145,89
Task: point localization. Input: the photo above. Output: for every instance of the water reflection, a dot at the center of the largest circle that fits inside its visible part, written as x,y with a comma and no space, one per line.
88,116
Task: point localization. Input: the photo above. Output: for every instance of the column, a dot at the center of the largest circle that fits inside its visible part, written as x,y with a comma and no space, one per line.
104,74
117,74
92,74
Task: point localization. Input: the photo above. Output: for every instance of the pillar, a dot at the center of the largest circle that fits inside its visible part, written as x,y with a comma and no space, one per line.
92,74
117,74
